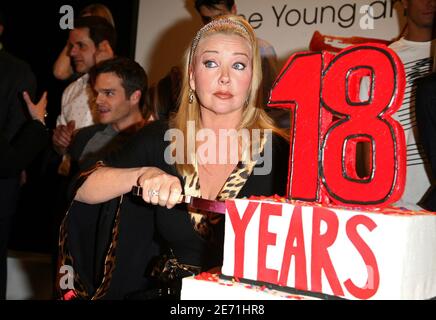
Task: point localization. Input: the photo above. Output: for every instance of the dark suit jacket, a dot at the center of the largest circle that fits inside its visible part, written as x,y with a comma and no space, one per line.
18,154
15,77
89,227
426,117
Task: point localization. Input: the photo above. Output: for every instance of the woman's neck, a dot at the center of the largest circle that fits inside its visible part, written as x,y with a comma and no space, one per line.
215,122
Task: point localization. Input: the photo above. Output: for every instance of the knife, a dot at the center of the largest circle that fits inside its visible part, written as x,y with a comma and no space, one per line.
194,202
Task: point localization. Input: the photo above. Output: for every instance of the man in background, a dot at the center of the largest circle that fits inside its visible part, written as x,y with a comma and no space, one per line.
426,118
15,78
415,51
92,40
120,85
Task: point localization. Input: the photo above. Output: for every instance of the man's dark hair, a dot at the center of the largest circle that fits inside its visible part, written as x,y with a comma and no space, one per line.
132,75
99,29
213,3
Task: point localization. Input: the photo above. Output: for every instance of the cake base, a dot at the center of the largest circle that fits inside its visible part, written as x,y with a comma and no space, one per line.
207,286
370,253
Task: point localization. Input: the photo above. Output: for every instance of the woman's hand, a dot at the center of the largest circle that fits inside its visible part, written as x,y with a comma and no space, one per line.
37,111
159,187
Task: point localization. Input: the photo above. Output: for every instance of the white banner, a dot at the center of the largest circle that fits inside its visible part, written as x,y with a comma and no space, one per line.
165,27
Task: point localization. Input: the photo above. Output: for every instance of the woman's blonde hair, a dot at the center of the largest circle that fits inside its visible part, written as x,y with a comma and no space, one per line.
99,10
254,115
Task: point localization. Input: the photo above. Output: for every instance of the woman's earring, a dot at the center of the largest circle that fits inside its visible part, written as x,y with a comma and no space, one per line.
191,96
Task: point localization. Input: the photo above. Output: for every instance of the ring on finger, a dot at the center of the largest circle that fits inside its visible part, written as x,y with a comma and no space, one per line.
152,193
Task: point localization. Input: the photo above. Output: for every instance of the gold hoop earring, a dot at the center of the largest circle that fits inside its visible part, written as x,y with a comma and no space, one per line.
191,96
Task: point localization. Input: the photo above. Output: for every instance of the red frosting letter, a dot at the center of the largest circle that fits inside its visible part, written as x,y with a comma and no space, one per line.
320,256
295,234
240,226
368,257
266,238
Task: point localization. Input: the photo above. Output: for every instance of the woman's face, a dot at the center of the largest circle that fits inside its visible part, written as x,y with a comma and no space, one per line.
221,73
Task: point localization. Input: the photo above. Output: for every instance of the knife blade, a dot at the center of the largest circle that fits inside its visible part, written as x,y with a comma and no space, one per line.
194,202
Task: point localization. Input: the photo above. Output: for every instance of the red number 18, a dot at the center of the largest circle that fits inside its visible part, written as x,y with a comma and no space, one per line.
329,119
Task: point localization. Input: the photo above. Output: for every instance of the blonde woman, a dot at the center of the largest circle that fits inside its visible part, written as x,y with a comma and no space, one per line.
219,145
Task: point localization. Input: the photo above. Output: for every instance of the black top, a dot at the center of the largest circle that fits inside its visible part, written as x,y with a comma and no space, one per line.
426,117
89,228
24,147
15,77
77,146
81,139
147,148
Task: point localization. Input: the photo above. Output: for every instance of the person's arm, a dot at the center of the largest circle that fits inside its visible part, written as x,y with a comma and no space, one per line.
136,164
107,183
36,111
62,68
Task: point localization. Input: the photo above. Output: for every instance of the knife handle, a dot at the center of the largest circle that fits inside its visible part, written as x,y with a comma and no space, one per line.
137,191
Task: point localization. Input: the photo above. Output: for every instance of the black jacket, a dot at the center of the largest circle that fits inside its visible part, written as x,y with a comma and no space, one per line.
15,77
426,117
17,155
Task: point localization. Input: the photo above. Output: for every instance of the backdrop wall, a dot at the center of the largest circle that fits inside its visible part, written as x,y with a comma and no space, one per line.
165,27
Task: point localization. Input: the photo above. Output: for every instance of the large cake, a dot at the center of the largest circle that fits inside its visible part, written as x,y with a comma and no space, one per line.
383,254
340,235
